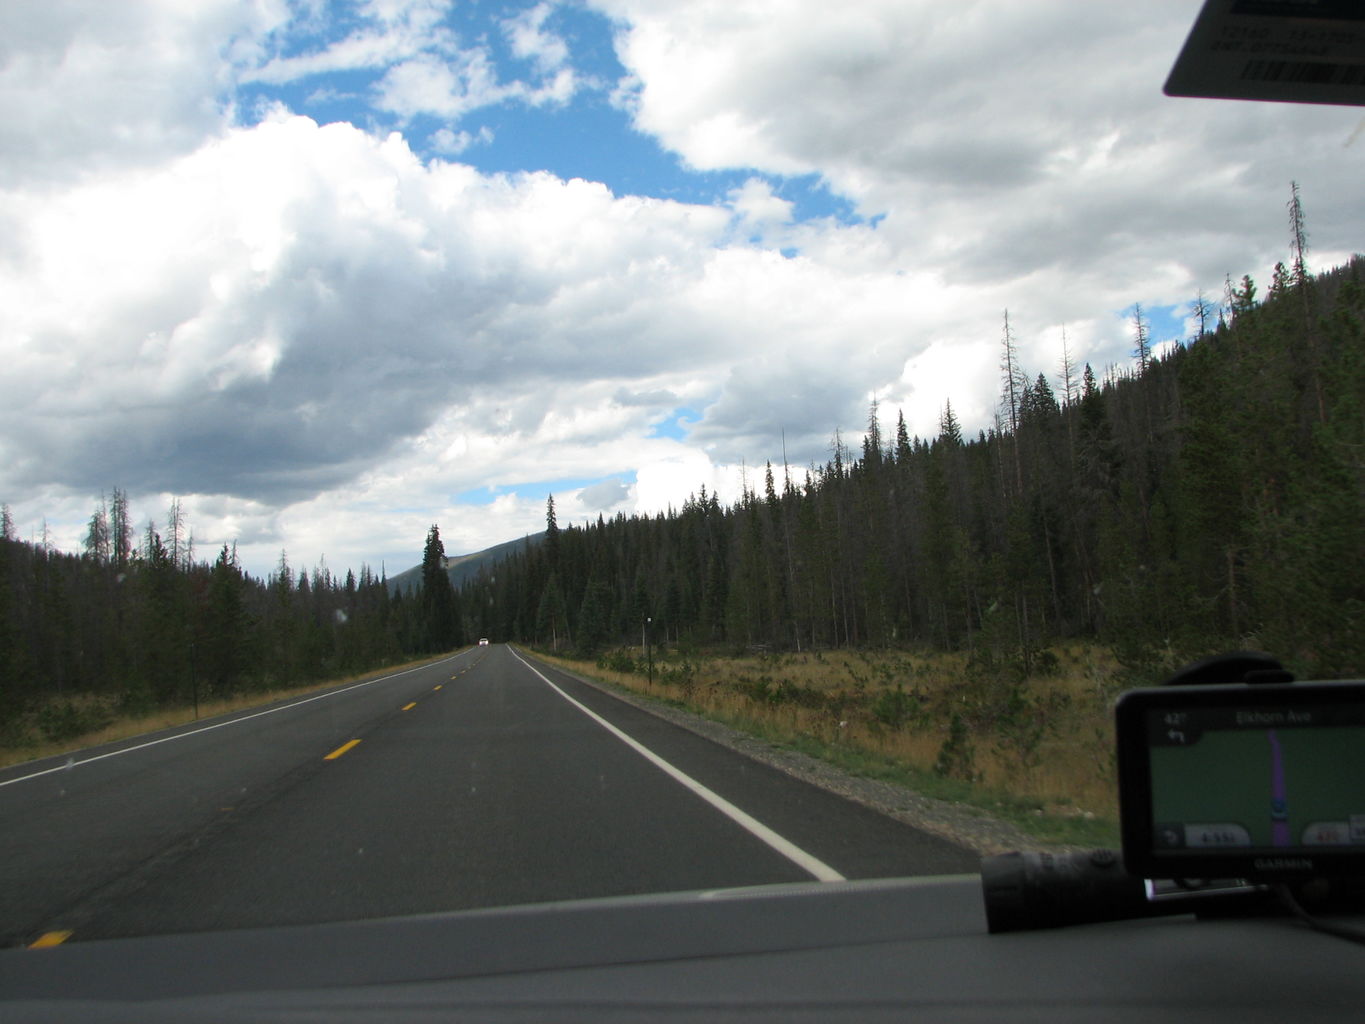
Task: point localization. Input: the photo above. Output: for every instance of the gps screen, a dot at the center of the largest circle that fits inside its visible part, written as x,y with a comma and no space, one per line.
1257,778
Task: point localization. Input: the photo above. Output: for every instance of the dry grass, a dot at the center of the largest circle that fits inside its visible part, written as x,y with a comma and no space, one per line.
1045,738
122,727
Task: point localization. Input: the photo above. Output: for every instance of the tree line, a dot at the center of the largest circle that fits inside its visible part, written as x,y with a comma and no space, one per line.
140,625
1208,497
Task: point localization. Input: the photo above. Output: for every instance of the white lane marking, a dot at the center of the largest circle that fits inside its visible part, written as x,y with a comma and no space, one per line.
219,725
818,868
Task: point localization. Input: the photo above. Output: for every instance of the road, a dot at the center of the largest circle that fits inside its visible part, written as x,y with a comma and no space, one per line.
480,780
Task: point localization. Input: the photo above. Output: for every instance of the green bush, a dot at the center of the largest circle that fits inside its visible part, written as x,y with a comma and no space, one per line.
764,691
757,690
682,674
64,720
1046,663
894,708
956,758
137,700
619,660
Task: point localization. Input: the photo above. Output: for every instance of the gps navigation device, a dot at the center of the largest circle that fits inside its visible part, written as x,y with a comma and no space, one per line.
1263,782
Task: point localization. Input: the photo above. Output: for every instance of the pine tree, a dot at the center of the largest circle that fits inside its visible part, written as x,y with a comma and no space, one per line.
1040,405
439,627
120,529
1070,390
594,617
165,643
1298,234
1203,311
1242,300
175,534
949,431
223,647
1302,285
1012,378
872,441
551,534
903,451
97,534
1095,492
551,617
1142,345
1013,381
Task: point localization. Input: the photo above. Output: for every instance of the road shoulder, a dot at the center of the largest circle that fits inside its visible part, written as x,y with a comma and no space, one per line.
959,823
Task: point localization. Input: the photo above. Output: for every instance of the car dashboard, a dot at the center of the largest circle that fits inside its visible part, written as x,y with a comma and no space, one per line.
901,949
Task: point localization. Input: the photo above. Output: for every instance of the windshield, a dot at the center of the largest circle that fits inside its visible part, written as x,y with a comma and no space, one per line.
467,455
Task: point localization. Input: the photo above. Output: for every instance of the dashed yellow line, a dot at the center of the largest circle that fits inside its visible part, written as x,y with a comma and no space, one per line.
340,750
439,685
409,707
50,939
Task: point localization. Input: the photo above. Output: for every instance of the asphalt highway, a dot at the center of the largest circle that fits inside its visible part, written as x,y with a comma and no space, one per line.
485,779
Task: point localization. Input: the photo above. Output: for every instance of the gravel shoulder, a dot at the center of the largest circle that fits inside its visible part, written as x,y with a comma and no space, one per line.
963,824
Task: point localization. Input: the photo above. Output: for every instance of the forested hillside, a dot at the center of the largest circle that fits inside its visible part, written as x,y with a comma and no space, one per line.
1207,498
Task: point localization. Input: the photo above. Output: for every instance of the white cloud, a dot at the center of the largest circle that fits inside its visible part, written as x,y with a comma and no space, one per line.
452,85
446,86
557,91
90,87
1003,142
667,482
425,68
276,316
390,32
529,40
322,342
758,208
605,496
449,143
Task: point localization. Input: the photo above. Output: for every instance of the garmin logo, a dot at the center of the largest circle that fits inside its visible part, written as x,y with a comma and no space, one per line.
1283,864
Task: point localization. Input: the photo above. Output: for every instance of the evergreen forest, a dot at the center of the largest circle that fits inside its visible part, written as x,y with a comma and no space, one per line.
1208,498
129,627
1211,496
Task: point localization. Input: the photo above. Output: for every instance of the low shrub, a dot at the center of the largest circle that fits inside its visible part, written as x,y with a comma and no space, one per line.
619,660
65,719
895,708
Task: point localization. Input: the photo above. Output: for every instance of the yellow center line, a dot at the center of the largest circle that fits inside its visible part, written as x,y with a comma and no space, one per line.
409,707
340,750
49,940
439,685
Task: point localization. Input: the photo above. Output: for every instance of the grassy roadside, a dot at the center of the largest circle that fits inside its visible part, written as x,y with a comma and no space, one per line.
25,741
1032,749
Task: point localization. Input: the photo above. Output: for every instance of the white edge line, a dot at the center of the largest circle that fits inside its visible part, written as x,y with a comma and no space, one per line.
786,847
220,725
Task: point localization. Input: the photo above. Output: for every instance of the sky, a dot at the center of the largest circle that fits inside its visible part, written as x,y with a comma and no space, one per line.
329,273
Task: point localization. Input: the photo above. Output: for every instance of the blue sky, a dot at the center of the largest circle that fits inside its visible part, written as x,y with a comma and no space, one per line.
542,489
588,134
329,272
675,425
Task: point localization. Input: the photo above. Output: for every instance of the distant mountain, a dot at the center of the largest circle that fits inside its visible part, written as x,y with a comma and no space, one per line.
461,568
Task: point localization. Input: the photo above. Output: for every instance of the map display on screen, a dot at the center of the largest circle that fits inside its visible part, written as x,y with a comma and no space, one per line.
1249,778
